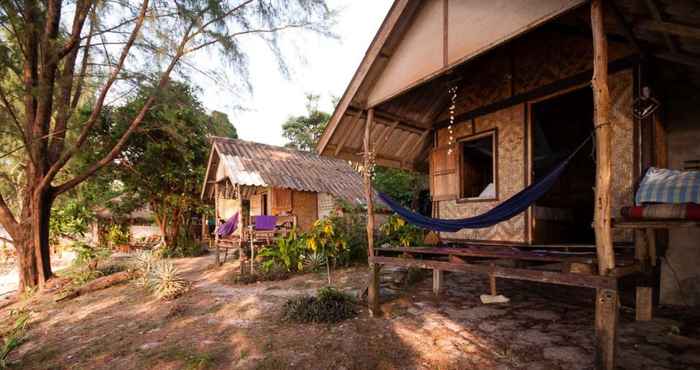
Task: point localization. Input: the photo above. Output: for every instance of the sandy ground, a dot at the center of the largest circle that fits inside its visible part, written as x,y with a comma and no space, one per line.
9,278
221,325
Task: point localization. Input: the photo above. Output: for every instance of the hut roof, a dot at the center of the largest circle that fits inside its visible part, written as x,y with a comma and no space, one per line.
425,46
255,164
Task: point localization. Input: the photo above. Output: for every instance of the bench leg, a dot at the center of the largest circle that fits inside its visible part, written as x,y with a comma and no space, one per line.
643,306
437,281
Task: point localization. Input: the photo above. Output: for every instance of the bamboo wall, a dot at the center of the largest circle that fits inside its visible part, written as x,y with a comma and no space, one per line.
510,126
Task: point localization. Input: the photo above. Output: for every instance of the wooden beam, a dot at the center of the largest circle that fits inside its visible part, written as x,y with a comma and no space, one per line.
669,28
626,29
541,276
656,13
406,143
606,300
387,134
373,281
353,123
680,59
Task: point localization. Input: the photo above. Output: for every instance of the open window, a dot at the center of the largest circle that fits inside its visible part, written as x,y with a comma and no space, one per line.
478,167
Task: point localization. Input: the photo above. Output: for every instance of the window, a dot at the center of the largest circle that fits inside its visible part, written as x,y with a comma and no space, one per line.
478,167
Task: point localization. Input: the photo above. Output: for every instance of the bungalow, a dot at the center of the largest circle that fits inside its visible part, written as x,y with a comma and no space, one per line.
487,97
257,179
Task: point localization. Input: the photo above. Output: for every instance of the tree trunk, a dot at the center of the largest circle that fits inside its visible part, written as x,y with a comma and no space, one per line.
33,248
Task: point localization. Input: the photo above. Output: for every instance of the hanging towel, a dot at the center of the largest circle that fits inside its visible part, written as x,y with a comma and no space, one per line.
228,227
265,222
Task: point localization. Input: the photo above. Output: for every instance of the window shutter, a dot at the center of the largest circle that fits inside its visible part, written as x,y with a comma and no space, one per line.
444,177
281,200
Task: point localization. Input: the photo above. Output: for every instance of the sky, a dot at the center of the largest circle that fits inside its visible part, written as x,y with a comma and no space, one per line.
318,65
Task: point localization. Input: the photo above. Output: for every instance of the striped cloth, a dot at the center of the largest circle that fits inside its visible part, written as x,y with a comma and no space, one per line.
661,185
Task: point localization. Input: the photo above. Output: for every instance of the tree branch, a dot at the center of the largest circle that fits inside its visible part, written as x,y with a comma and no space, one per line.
7,219
97,109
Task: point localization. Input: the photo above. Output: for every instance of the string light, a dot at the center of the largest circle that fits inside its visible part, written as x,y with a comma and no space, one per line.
450,127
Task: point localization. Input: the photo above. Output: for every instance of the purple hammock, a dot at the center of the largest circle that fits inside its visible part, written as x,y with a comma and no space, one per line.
228,227
502,212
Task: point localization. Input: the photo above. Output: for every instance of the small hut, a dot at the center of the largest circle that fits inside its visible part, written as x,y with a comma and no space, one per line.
257,179
488,96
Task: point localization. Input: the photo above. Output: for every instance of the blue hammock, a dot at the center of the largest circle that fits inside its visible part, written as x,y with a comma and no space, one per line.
502,212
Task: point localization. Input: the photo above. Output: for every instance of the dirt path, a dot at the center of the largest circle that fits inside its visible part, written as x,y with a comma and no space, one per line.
221,325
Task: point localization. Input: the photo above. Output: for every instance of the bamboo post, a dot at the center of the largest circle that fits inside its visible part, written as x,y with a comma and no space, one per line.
606,312
216,222
373,283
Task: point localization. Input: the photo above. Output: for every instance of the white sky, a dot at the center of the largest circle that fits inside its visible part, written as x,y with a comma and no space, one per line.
325,68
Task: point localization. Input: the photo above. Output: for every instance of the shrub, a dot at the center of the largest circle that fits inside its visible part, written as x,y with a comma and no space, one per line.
272,275
185,246
397,231
15,336
329,306
165,280
159,276
117,235
288,253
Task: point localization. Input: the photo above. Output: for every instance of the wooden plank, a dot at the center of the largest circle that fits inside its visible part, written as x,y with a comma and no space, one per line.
550,277
437,281
500,254
655,224
670,28
644,303
606,299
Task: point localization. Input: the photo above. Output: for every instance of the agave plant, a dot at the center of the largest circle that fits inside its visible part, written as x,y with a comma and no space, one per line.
143,264
165,281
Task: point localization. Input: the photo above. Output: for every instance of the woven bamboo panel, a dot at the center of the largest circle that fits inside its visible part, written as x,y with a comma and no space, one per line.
621,96
510,177
305,207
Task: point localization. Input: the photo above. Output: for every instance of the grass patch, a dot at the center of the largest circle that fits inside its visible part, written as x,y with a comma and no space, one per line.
329,306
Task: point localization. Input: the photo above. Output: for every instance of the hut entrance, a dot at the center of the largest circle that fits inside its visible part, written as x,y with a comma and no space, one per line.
565,213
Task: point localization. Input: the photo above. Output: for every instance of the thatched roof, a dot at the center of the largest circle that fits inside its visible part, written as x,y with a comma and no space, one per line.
254,164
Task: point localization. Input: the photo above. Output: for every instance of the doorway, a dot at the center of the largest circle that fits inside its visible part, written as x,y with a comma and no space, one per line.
559,125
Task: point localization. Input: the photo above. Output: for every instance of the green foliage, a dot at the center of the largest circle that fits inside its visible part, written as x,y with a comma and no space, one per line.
303,132
404,186
288,254
329,306
70,219
397,231
118,235
15,336
219,125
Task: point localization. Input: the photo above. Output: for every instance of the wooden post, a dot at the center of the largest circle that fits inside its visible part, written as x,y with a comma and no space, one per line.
216,222
643,304
492,282
606,299
373,282
437,281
